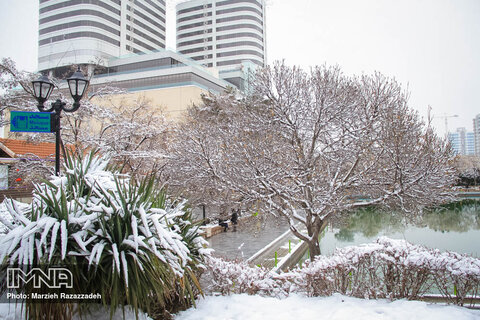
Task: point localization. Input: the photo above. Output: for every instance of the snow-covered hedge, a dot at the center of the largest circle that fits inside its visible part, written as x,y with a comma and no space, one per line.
126,238
230,277
385,269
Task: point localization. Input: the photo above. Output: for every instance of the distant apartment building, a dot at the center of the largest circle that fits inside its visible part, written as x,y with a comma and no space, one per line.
83,31
476,133
228,35
462,141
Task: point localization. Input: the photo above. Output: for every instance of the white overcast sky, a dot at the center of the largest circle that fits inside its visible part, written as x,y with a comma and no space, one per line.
433,46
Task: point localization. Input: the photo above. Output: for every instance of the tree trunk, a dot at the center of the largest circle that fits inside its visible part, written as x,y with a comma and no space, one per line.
314,245
314,249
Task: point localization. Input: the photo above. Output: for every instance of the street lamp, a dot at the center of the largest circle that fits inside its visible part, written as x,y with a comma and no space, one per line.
43,87
77,85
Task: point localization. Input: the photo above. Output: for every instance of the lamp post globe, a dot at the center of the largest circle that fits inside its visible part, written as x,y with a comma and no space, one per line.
42,88
77,84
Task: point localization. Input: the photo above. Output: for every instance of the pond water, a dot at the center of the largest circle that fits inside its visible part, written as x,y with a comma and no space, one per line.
454,228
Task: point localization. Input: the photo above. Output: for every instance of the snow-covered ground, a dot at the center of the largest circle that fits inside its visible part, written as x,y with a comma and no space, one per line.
337,307
11,311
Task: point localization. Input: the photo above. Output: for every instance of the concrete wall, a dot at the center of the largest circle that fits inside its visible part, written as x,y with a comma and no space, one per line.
174,101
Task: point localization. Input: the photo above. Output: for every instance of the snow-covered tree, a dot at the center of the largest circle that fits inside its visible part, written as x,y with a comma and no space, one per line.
311,145
468,170
16,92
135,134
192,181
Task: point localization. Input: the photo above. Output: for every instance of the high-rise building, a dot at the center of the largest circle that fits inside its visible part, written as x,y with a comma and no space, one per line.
470,143
476,133
455,140
83,31
228,35
462,142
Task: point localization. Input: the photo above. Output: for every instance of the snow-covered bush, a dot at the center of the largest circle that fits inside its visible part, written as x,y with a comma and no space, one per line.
123,239
229,277
388,268
456,276
349,272
406,269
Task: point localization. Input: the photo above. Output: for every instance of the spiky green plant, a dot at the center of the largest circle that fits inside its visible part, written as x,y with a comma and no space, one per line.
123,239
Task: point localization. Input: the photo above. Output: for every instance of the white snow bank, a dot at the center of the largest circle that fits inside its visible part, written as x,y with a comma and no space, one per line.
10,311
336,307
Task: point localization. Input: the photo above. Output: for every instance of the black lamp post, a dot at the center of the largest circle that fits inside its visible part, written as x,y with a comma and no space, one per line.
43,87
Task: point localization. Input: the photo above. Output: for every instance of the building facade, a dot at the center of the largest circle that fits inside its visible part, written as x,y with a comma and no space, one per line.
128,36
89,31
165,78
462,142
228,35
476,133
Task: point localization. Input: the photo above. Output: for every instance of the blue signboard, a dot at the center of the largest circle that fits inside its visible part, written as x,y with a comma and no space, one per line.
21,121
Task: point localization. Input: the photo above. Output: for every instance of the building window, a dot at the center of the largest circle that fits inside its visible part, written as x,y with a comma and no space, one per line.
194,25
194,9
196,33
195,50
77,2
147,9
224,11
240,34
144,26
152,21
224,3
239,44
242,17
196,16
203,57
85,34
82,23
239,52
187,43
239,26
162,10
79,13
238,61
147,37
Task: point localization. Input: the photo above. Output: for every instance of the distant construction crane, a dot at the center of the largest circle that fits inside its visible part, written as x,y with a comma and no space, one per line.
445,116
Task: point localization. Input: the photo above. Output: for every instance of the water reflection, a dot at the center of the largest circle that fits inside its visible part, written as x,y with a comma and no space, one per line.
458,218
454,227
369,222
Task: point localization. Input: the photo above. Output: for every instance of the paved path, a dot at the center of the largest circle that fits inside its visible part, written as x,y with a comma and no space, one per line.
247,238
282,246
